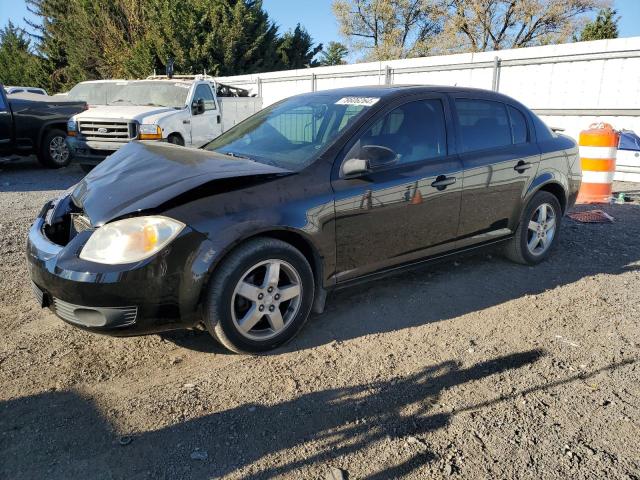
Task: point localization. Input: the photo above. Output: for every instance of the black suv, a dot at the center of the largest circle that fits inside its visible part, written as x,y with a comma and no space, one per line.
247,234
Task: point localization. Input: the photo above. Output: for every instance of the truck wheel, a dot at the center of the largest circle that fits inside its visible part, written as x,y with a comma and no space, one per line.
54,151
175,139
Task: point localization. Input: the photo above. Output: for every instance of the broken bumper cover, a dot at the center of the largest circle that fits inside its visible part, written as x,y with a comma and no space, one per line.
158,294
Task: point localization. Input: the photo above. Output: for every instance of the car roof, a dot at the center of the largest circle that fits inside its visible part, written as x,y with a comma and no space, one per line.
389,92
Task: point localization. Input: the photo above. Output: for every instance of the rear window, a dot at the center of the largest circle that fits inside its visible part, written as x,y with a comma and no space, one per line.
518,126
483,124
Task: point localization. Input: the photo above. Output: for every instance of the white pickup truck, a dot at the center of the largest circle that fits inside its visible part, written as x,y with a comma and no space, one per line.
183,111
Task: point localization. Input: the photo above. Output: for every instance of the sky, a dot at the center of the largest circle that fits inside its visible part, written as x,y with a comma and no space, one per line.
316,16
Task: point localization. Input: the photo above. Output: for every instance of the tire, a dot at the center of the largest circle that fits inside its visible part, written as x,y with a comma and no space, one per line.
54,151
539,233
246,269
175,139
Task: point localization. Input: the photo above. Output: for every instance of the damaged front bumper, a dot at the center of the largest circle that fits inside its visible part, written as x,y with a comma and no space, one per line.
157,294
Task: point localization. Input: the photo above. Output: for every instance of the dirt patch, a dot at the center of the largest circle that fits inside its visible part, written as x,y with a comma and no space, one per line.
476,368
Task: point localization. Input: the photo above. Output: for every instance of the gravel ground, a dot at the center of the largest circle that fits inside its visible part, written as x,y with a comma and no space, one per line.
477,368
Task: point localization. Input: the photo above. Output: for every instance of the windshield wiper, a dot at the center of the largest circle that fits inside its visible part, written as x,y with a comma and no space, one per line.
122,100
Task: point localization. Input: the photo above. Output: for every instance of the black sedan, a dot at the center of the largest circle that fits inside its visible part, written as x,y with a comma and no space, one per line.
318,191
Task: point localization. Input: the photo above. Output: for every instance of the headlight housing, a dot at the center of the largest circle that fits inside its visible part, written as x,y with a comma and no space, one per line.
130,240
150,132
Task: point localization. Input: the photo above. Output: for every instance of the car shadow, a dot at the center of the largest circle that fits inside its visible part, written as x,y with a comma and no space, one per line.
63,435
27,175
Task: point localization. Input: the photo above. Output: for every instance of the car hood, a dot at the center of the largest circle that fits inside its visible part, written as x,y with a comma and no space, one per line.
123,112
146,175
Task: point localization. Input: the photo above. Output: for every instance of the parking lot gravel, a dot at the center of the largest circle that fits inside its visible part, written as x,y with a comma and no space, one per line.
474,368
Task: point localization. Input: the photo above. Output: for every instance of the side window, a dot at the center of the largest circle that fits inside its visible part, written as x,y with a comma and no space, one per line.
483,124
415,131
518,126
204,92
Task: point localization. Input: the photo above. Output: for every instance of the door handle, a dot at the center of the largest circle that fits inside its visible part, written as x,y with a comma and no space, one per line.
218,118
442,182
522,166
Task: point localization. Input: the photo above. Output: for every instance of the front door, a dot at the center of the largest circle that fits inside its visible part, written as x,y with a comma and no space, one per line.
5,126
406,210
500,159
205,125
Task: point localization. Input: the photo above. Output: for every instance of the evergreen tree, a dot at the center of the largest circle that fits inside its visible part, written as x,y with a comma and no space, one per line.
18,64
335,54
296,49
605,26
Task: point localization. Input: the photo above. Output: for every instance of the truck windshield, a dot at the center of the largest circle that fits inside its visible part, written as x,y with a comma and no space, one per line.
293,133
153,94
94,93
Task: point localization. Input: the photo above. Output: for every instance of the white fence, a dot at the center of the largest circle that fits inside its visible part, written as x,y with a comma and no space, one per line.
569,86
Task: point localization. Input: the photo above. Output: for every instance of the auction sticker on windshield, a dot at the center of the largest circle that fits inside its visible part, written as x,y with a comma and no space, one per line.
364,101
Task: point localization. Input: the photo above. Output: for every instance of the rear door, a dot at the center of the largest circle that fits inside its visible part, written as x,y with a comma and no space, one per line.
500,158
407,211
6,124
205,126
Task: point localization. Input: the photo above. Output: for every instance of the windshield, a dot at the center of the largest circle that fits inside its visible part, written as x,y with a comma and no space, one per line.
95,93
293,133
153,94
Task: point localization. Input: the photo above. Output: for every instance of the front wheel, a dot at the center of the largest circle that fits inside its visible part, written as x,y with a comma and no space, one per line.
54,151
538,230
260,296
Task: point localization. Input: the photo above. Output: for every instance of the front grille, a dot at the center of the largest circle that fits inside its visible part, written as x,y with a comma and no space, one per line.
108,131
95,316
38,293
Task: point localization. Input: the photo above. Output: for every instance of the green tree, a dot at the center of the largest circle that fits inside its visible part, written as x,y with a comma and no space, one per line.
605,26
18,64
296,49
88,39
335,54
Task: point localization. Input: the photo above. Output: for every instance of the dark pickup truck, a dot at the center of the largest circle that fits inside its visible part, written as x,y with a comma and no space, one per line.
36,124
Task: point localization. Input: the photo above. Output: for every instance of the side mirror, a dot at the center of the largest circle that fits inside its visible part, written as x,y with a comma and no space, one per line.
197,107
355,166
370,157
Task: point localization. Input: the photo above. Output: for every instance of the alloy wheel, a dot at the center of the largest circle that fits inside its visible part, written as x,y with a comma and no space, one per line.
266,299
542,229
59,150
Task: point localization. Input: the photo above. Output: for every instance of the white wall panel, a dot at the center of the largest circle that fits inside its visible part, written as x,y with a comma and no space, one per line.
602,75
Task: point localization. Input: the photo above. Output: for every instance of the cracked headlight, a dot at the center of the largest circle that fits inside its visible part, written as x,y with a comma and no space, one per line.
130,240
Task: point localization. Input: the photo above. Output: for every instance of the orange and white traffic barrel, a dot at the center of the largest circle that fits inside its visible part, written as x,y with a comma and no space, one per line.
598,148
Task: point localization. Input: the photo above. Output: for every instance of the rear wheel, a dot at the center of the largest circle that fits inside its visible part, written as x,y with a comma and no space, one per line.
260,296
54,151
538,230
